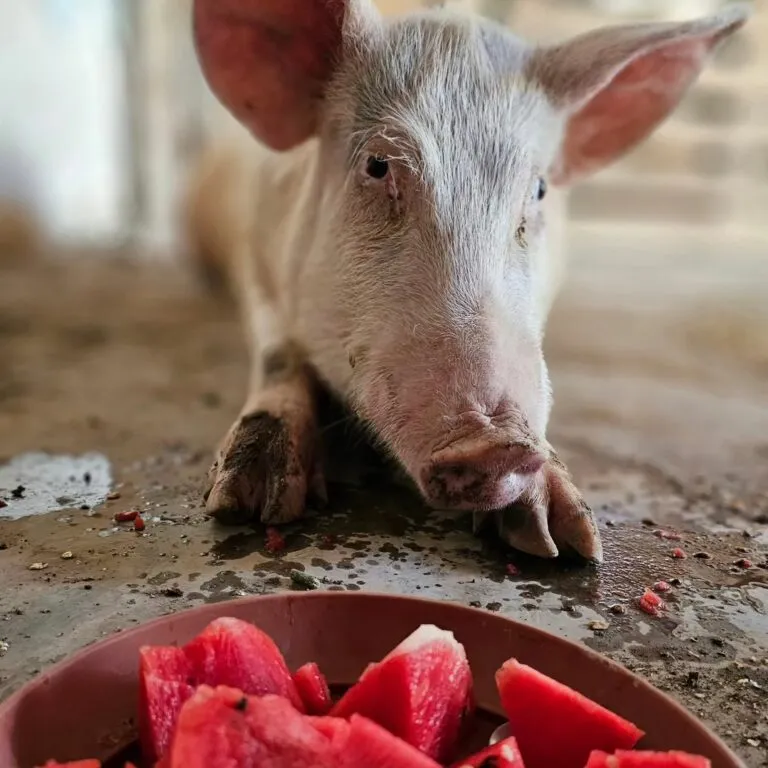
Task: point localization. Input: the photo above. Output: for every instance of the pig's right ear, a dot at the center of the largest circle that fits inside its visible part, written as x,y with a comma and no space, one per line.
269,61
615,85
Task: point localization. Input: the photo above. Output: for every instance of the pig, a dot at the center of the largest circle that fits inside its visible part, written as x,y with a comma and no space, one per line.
389,216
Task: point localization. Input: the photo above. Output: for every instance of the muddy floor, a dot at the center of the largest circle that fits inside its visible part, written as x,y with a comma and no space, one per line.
117,381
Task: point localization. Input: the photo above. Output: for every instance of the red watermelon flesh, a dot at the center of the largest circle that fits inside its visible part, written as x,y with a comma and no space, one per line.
313,689
503,754
166,681
333,727
555,725
222,728
639,759
236,654
228,652
76,764
418,692
368,745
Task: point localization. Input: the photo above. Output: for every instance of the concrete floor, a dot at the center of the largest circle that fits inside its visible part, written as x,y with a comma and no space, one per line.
659,365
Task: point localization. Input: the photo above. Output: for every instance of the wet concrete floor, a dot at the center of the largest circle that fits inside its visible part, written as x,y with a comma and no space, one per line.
116,382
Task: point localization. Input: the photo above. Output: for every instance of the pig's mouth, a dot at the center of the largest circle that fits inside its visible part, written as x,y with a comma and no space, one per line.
473,457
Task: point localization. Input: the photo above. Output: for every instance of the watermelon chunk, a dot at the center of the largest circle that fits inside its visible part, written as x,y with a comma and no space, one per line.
503,754
166,681
76,764
555,725
639,759
370,745
222,728
419,692
313,689
228,652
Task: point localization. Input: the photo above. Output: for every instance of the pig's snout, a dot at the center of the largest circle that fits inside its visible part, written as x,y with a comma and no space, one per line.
480,475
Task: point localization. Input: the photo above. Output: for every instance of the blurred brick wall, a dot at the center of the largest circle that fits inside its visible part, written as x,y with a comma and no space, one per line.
706,168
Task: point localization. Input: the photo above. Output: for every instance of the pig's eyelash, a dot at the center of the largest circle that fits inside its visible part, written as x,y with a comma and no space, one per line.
401,147
521,233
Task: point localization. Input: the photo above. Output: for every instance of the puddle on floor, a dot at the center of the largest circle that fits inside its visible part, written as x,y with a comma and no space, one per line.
38,483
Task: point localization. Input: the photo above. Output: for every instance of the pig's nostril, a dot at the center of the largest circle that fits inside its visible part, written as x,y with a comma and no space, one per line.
531,463
479,473
488,458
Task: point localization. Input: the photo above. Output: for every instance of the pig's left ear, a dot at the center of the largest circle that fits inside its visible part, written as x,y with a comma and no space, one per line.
617,84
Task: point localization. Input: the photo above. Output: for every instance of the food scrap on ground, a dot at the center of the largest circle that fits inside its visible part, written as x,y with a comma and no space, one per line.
651,603
275,542
662,586
126,517
744,563
668,535
678,554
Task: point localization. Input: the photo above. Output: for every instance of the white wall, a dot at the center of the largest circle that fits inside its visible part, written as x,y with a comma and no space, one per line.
62,102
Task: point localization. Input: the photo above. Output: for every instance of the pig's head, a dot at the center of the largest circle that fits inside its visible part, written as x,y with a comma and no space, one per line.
440,134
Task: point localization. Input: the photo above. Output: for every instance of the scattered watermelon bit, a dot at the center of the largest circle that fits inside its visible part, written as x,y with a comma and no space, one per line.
126,517
744,563
420,692
504,754
678,554
313,689
667,535
228,652
512,570
275,542
651,603
662,586
554,725
639,759
138,524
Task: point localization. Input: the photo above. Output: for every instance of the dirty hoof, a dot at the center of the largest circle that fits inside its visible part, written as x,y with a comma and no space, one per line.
551,518
264,470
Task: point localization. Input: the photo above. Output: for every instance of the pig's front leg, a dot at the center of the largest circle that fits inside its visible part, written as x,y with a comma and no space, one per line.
267,462
551,518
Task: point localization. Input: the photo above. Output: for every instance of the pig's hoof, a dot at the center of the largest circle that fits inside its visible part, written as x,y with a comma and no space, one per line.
264,470
551,518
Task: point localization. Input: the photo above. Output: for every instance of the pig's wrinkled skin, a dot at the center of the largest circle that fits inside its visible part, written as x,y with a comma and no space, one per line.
395,235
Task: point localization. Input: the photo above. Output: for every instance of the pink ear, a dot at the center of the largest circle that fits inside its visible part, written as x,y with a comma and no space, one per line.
269,61
616,85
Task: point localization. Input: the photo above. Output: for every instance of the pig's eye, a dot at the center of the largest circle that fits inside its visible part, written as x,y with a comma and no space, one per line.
541,190
376,167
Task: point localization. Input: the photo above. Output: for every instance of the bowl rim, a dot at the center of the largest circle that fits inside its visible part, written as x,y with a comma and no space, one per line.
216,610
